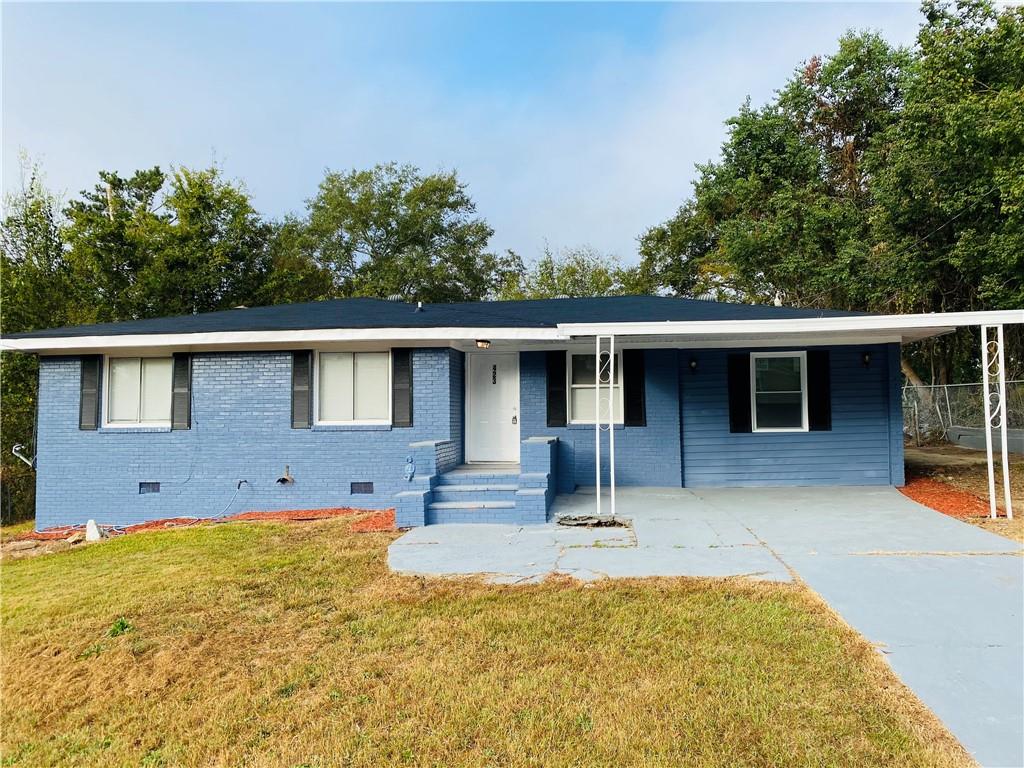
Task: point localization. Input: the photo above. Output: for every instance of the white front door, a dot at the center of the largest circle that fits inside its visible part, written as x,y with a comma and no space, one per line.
492,407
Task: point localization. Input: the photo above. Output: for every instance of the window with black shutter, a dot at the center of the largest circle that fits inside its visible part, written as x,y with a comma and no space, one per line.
401,387
635,395
557,399
302,394
819,391
181,391
739,392
89,392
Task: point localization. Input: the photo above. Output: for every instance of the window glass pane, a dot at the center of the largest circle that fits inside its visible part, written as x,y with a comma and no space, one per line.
371,385
156,389
582,404
779,410
582,369
335,386
777,374
123,389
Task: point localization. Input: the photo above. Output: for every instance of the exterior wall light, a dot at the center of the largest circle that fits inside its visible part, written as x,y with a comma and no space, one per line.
483,344
865,358
693,365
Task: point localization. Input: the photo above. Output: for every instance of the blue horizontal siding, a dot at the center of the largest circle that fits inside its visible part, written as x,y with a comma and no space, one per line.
864,446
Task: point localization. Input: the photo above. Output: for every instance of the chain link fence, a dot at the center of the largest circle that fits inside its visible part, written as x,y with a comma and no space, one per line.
929,412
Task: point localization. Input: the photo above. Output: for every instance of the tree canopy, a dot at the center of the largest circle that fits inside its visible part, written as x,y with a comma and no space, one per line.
391,230
571,273
877,178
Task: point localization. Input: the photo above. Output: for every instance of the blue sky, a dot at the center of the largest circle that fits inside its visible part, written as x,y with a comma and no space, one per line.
572,124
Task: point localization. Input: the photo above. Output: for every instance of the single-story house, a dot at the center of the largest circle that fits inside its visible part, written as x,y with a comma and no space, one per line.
471,412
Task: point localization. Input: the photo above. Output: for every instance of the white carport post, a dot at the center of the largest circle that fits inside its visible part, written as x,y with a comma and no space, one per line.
993,365
604,414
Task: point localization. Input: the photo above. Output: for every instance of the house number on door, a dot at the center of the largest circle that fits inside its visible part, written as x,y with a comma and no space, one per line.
494,374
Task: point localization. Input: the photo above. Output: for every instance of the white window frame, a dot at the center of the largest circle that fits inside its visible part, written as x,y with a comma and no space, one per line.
569,387
754,357
355,422
107,424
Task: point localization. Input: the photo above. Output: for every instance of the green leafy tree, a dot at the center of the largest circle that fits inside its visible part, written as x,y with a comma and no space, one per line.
783,214
148,245
948,180
391,230
35,283
574,272
877,179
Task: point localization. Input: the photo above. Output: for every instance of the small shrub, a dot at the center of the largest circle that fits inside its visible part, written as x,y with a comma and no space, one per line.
120,627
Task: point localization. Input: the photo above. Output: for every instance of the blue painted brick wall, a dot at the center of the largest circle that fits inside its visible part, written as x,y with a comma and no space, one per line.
643,455
240,430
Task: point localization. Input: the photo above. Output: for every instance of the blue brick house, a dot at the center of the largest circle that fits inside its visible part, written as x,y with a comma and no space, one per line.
476,412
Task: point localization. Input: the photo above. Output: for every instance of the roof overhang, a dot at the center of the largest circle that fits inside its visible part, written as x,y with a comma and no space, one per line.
276,339
859,329
905,328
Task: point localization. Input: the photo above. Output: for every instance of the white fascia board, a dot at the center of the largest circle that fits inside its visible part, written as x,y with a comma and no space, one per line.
282,339
930,324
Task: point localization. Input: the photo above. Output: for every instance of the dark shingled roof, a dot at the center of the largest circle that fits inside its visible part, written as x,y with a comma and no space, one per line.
378,313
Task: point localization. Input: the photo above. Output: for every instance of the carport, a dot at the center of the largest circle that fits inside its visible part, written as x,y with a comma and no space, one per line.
795,333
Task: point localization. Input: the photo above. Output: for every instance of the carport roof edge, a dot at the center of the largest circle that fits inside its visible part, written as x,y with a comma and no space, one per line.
546,321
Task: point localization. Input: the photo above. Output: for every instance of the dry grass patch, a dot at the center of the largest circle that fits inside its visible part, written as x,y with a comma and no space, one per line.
277,645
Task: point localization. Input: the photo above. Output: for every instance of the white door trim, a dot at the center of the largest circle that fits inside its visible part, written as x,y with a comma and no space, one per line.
511,449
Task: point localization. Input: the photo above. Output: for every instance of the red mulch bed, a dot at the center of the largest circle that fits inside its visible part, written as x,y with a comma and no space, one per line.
944,498
372,522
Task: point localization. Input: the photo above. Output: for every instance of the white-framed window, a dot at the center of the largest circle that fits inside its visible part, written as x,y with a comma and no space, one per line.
137,391
778,391
353,388
581,372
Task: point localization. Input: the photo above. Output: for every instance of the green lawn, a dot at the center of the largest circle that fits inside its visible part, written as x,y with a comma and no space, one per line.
288,645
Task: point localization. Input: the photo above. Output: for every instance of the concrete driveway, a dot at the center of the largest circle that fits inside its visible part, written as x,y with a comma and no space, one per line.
941,599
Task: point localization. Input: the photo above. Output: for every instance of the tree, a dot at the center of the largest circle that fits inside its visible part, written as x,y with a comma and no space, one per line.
574,272
948,178
877,179
782,215
35,282
139,250
392,231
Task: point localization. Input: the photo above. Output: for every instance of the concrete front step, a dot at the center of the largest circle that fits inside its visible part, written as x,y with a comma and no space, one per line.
474,504
471,512
473,493
463,477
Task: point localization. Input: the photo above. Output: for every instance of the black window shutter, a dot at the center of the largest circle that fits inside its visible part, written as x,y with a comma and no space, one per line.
302,390
634,393
819,391
89,400
401,387
739,392
557,397
181,391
